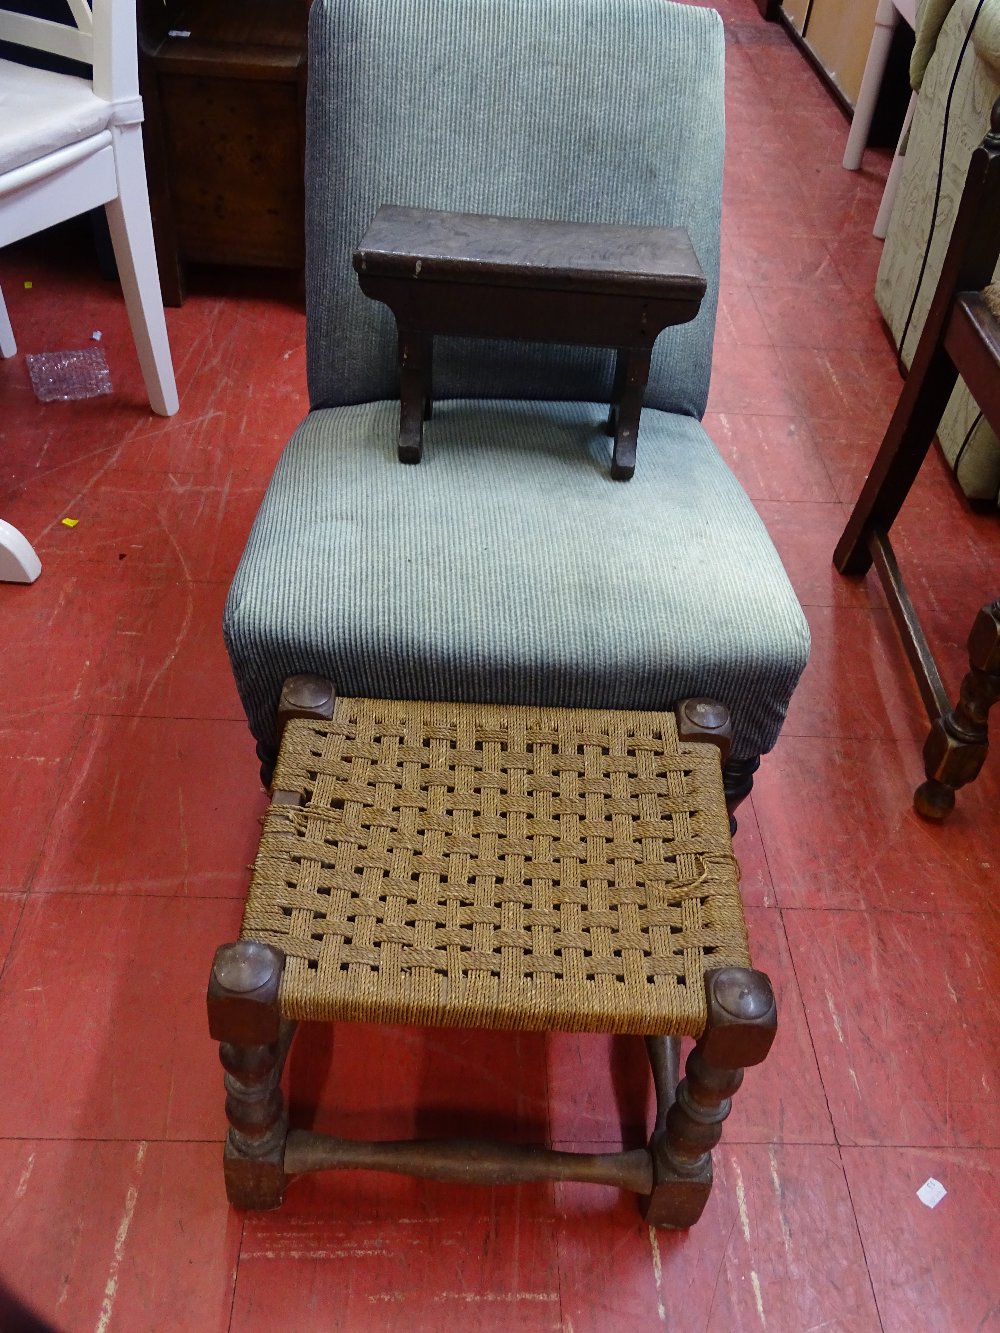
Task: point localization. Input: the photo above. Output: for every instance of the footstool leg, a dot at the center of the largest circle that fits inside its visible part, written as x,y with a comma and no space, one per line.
617,389
709,721
631,374
305,695
737,783
742,1018
414,393
243,1016
705,720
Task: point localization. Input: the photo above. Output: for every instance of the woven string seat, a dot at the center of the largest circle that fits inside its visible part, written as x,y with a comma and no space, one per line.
497,867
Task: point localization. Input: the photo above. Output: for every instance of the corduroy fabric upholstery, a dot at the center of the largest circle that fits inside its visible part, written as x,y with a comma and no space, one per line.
508,568
587,110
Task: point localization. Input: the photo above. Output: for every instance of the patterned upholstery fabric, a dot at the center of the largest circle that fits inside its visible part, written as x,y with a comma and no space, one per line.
913,217
930,16
507,567
517,108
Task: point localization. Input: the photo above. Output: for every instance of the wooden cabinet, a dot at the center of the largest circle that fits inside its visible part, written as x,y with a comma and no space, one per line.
223,83
838,35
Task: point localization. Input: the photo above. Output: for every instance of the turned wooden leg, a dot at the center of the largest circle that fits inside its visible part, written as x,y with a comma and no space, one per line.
301,696
737,783
243,1016
414,393
958,742
708,720
742,1018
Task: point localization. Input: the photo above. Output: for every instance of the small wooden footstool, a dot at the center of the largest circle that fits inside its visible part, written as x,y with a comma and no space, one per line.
460,865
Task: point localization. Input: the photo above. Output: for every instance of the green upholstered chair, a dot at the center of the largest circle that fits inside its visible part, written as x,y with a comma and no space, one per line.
447,861
507,567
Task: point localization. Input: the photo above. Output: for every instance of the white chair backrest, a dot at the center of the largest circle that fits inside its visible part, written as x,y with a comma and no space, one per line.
103,37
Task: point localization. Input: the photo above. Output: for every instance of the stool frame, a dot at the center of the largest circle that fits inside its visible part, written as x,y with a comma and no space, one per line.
672,1174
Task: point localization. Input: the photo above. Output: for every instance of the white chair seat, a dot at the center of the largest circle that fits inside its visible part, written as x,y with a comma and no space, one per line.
65,149
40,112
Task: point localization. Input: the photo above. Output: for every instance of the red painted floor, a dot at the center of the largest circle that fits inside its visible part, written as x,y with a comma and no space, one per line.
129,814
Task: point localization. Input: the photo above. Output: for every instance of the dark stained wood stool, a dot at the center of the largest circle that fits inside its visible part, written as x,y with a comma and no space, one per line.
475,276
961,337
458,865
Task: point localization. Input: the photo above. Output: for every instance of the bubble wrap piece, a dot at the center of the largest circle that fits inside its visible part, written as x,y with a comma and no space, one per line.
65,377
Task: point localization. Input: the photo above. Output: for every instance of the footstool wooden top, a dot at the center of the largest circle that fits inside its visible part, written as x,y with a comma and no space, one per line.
497,867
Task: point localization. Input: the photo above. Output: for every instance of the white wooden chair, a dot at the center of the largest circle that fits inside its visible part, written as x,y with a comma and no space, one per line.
887,17
18,561
68,144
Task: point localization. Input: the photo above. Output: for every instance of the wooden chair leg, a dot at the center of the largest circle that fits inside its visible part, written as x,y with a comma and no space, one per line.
18,561
958,742
305,695
908,437
968,266
8,347
742,1018
243,1016
135,254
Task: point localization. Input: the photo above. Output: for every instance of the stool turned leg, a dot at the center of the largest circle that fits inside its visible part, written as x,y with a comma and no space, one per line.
958,742
737,783
708,720
301,696
742,1018
243,1016
705,720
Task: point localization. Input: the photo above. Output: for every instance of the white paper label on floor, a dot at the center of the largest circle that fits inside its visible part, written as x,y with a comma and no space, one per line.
931,1192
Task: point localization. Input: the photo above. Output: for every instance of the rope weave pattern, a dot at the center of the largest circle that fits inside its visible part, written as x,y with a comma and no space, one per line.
991,295
501,867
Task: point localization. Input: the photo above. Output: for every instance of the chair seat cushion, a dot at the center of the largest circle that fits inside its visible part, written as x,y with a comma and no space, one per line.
507,567
41,111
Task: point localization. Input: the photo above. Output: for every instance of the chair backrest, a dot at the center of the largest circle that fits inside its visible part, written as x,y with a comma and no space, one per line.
101,34
586,110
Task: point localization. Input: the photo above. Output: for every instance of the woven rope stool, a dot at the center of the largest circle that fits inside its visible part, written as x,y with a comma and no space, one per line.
459,865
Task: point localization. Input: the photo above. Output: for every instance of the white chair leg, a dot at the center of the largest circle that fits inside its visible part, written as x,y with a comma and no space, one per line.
132,238
18,562
886,18
881,227
8,347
